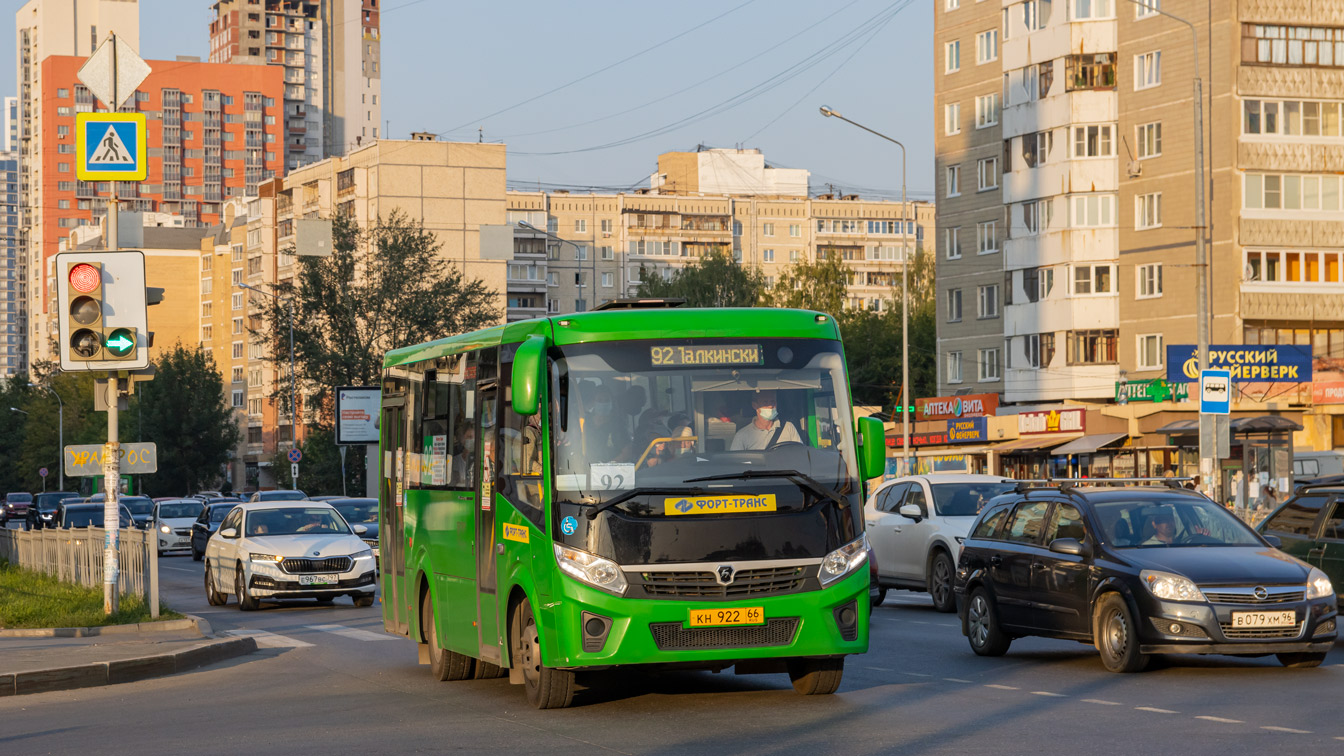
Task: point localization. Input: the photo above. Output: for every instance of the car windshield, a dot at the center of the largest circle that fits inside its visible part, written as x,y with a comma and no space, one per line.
281,496
358,513
175,509
218,511
966,499
1172,521
655,414
17,497
139,505
91,517
293,521
50,499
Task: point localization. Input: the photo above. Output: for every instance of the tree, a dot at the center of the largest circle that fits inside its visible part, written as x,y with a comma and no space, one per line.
42,425
381,288
320,470
820,285
14,392
184,411
713,280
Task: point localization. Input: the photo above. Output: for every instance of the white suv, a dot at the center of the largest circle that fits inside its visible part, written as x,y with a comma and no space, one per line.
916,526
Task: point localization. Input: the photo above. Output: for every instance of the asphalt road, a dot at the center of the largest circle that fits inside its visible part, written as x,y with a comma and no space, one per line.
327,679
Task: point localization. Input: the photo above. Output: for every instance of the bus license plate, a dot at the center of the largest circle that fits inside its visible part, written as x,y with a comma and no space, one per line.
1264,619
318,579
748,615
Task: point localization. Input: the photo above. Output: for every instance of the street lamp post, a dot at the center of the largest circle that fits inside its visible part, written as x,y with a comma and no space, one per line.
60,432
905,294
293,391
593,293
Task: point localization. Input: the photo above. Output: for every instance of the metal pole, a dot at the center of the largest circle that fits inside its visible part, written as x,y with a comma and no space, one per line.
293,392
112,450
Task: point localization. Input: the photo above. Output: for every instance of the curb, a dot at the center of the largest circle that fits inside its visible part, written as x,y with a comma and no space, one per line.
125,670
191,623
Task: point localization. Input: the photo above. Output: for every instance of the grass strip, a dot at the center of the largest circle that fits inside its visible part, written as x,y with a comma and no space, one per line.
31,599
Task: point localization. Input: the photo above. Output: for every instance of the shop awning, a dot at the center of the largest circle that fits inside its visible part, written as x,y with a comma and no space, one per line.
1261,424
1031,443
1179,428
1088,444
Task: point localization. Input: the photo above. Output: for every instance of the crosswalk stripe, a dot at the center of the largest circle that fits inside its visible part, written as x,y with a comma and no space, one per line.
268,640
350,632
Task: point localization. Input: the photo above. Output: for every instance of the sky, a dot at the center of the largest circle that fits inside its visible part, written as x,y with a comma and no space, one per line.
588,93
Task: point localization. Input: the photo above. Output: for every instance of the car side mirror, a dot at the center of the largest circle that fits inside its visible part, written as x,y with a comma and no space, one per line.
1272,540
228,533
360,530
911,511
1070,546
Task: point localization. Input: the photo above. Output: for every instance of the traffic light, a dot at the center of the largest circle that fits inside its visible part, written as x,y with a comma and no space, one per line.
101,304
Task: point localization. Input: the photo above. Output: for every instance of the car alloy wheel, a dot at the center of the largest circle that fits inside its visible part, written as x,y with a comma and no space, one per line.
982,625
978,621
940,583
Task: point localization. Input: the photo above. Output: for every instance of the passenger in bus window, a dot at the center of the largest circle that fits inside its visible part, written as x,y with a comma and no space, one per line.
464,459
601,434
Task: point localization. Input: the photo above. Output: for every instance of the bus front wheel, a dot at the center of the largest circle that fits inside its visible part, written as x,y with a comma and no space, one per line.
546,688
443,664
816,677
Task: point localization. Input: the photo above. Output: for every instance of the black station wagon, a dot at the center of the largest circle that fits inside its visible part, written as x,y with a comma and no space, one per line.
1136,571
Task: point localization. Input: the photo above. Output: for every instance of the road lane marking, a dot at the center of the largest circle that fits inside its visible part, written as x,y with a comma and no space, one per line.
1272,728
197,571
1048,693
1155,710
956,680
916,674
1222,720
1101,702
880,669
268,640
1002,687
350,632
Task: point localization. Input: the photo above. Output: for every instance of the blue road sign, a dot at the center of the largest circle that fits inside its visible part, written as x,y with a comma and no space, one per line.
111,147
1215,392
294,455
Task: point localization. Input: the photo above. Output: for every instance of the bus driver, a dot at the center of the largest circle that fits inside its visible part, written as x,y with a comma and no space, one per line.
765,429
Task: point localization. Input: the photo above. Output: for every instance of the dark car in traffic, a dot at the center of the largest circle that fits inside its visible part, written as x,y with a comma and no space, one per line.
86,514
360,512
42,513
141,508
14,507
1310,526
207,523
1137,571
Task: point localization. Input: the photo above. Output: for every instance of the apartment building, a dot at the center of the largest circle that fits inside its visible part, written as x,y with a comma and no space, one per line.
222,330
329,51
13,355
580,250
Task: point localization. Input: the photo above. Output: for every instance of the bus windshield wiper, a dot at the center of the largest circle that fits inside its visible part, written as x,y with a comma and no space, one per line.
802,480
625,496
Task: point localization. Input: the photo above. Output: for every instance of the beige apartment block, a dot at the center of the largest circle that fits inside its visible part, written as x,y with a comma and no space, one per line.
223,323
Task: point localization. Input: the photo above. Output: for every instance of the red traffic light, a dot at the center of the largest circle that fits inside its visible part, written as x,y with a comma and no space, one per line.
85,278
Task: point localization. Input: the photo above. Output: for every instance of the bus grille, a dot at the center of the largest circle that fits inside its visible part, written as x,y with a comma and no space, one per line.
298,566
765,581
671,636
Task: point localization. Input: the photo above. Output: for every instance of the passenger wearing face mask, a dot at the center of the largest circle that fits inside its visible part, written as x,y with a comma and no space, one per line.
766,429
603,438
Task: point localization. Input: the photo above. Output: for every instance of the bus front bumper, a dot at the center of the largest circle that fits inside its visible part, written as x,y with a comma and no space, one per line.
592,628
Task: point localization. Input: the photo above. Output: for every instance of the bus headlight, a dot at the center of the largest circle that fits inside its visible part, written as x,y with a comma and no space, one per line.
844,560
591,569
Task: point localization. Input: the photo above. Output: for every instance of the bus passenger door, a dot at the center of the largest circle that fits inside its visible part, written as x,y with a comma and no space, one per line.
487,622
391,531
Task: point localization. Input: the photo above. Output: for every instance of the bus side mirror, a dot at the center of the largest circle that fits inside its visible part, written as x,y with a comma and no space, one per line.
872,448
528,363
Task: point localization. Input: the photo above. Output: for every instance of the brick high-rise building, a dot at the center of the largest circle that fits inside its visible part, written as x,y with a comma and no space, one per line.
329,51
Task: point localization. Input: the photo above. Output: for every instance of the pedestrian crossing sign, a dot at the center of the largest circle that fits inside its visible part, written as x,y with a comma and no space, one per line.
111,147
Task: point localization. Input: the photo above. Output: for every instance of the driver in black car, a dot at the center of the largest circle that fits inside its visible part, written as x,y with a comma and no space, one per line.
765,429
1162,521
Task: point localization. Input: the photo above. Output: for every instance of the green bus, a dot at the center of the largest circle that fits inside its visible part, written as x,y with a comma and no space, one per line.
627,486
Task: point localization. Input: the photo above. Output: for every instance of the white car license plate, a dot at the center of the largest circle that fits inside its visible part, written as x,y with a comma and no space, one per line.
1264,619
318,579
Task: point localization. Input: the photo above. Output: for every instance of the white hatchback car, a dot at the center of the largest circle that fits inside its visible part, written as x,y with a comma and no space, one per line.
172,523
287,549
916,526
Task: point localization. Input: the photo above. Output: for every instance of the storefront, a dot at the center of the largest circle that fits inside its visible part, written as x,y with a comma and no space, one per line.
944,446
1258,472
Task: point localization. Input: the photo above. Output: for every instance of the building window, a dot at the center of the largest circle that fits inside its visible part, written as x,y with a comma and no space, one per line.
953,4
1038,215
987,237
1038,283
1148,211
581,252
1094,347
1089,71
1036,148
767,229
608,280
987,302
1149,137
1093,141
1147,70
952,60
954,305
989,365
795,230
1093,210
237,350
62,167
1292,45
1150,351
1147,8
986,46
237,376
237,398
768,255
1091,280
954,367
238,301
1294,267
952,237
1086,10
954,181
987,111
580,226
1039,349
237,326
952,118
793,255
607,253
1149,284
1272,191
987,174
1291,117
1035,14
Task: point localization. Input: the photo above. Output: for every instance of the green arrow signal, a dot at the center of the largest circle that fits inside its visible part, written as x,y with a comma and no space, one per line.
120,342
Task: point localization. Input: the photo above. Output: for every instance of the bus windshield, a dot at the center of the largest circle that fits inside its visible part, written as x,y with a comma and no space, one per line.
636,415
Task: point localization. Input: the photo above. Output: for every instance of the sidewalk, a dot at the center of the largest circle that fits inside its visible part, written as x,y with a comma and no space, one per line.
67,658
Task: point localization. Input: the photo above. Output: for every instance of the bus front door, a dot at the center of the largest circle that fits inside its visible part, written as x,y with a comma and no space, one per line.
392,539
487,619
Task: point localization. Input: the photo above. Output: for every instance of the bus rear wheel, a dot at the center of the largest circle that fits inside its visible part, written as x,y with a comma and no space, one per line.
546,688
816,677
443,664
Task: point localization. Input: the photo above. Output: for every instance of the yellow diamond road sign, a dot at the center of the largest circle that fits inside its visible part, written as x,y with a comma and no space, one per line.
111,147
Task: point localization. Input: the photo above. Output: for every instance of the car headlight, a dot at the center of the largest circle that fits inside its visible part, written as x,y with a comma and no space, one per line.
591,569
1170,587
844,560
267,558
165,529
362,553
1318,585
